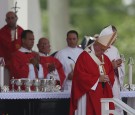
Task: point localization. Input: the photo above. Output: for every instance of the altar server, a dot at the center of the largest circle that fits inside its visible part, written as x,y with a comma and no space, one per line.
68,57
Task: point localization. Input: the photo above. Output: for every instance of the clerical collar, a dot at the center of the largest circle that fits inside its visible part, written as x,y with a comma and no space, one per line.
22,49
43,54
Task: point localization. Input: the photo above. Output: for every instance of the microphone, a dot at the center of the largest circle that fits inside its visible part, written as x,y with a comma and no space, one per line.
71,59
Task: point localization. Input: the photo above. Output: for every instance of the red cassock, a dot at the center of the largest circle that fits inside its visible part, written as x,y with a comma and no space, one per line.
86,74
45,60
7,46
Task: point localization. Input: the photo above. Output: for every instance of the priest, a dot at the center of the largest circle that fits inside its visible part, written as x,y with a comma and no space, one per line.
25,62
10,40
51,66
93,77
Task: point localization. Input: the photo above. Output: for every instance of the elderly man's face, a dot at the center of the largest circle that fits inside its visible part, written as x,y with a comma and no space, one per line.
99,50
44,46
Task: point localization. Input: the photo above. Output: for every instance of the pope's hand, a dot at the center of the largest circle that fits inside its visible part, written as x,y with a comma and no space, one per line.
104,78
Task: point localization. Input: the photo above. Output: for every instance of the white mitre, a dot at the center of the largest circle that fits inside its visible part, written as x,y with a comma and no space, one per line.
107,36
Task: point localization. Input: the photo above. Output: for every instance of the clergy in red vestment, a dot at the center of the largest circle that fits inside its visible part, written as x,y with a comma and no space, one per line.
25,62
93,77
10,40
51,66
10,37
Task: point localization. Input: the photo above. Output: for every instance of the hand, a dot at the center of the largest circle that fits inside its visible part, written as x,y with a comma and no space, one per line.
104,78
51,67
35,61
70,75
116,63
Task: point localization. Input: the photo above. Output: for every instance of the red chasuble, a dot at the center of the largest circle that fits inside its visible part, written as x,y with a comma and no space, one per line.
86,74
7,46
45,60
20,62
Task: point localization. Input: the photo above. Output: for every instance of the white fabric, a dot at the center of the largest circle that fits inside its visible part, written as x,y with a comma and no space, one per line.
35,95
106,35
130,94
1,75
95,85
41,54
81,105
22,49
106,31
49,95
113,53
13,35
40,72
130,97
31,74
63,55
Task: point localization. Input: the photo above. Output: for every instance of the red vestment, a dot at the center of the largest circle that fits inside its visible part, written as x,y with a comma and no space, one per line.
45,60
86,74
20,62
7,46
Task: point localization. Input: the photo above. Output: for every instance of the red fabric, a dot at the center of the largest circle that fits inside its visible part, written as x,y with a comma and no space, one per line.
8,47
48,59
20,63
86,74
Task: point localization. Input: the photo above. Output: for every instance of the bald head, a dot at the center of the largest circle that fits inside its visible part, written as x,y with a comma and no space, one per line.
11,19
44,45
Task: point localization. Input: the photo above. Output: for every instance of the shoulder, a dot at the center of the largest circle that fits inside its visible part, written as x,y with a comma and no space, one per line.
5,27
84,54
79,48
106,58
19,27
113,47
17,54
61,52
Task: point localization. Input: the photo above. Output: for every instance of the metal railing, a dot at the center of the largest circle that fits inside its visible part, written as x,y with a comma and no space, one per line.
105,106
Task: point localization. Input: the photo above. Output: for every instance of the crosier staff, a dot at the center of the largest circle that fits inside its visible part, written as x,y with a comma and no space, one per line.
15,8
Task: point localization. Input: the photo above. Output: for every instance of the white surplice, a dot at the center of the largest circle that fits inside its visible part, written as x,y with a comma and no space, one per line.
68,64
